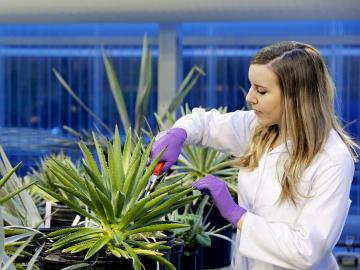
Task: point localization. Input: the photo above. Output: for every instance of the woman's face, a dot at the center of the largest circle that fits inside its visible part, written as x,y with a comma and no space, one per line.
265,95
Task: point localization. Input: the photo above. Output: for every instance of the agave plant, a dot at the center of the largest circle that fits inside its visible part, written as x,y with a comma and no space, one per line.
20,210
45,178
113,192
199,231
141,104
13,196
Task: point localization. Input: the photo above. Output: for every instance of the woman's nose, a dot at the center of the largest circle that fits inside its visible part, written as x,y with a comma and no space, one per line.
250,98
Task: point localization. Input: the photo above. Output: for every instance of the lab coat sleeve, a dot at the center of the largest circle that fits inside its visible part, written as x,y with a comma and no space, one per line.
228,133
304,244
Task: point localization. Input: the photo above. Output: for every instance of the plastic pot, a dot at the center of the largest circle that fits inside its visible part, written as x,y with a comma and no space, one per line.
176,253
58,261
151,264
190,260
218,255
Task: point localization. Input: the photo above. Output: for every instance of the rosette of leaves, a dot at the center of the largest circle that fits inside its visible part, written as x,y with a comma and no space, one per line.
113,192
45,178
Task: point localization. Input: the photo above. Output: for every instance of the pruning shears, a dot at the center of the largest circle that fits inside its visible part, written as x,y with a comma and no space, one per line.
152,180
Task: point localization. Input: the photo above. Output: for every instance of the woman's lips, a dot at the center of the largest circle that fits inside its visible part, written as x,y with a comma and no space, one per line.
257,112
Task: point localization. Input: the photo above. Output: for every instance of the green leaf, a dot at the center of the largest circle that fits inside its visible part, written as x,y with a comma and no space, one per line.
95,179
88,158
18,251
33,259
184,89
119,203
141,184
69,203
79,101
203,239
75,235
118,164
126,152
157,227
113,177
136,261
108,207
79,195
136,152
14,193
65,231
70,174
130,214
83,245
97,246
163,261
103,163
116,92
98,207
143,87
168,203
131,181
5,178
166,189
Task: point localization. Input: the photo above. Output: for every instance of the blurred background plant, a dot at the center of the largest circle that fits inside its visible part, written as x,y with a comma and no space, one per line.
43,176
142,98
200,229
14,203
19,210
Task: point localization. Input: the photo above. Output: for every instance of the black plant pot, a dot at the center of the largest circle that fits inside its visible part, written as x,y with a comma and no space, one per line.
151,264
37,241
62,215
57,261
176,253
192,258
219,253
35,244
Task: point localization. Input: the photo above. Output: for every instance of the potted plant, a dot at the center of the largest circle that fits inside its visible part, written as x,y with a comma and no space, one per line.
59,214
122,219
11,189
199,235
20,210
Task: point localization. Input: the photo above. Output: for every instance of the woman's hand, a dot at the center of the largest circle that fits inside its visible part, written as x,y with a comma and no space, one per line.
221,196
172,140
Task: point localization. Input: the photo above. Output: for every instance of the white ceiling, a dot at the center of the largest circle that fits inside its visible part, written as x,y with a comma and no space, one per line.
13,11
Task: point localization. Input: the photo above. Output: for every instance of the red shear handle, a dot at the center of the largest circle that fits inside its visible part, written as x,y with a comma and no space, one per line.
158,168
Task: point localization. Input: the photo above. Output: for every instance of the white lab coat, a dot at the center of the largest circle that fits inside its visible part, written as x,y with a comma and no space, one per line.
282,236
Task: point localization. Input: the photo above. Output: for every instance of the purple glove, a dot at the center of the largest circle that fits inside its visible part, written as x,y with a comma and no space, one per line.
173,139
221,197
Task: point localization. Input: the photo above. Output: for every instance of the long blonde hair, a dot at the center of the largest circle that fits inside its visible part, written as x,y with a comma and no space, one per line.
308,112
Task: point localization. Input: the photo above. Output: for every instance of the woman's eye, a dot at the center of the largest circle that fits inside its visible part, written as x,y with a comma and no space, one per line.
261,92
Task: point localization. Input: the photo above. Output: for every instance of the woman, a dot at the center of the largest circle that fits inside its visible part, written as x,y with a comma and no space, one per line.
296,162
